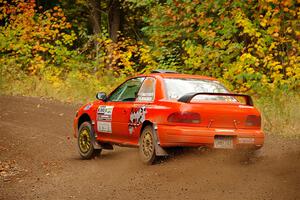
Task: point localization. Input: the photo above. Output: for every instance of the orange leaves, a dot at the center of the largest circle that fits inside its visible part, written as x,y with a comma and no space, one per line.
34,37
39,48
125,57
287,3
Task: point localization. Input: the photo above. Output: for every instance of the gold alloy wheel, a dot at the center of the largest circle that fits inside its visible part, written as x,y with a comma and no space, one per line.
84,141
147,144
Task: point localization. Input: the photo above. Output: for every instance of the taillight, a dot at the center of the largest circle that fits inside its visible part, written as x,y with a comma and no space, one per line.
184,117
253,120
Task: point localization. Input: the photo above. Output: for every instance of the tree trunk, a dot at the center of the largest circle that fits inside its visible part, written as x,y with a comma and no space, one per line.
114,19
95,15
95,18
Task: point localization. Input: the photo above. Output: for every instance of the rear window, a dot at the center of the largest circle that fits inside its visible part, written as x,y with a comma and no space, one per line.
177,87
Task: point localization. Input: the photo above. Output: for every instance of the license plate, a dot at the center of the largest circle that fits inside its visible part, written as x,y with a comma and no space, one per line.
223,142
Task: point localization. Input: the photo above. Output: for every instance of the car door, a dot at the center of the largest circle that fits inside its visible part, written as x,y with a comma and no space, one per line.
118,107
142,108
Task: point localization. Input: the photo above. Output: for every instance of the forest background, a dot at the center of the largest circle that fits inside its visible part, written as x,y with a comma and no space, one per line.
71,49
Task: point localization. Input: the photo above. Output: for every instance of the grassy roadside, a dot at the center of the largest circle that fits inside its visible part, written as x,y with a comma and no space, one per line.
74,87
280,110
280,113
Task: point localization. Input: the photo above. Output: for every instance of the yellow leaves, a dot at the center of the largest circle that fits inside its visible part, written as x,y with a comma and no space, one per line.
250,70
289,30
276,35
272,46
272,1
263,23
246,24
247,56
36,65
289,71
277,77
264,79
273,65
55,26
222,44
277,67
48,14
68,38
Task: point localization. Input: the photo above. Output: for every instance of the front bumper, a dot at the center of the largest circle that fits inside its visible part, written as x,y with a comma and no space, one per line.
202,136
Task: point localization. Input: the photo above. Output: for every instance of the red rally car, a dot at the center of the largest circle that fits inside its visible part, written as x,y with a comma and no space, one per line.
167,109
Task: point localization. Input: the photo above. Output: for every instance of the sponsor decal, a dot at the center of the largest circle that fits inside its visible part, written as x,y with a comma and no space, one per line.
87,107
145,96
104,113
106,110
104,116
104,126
137,117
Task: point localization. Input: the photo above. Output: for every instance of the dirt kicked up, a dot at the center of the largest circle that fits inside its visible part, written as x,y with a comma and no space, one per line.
39,160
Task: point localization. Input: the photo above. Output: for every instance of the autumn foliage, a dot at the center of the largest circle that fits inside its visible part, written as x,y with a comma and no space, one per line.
248,44
251,46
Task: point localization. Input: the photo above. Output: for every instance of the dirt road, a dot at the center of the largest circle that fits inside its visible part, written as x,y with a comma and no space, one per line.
39,160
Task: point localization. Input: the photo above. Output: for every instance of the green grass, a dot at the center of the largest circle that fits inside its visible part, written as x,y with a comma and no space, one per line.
72,89
280,113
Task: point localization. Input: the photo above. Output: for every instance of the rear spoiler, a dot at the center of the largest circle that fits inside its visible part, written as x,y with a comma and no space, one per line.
188,97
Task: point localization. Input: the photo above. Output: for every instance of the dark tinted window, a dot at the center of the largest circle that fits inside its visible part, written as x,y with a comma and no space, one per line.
127,91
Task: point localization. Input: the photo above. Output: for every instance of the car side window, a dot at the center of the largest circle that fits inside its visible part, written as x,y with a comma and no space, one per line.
147,91
127,91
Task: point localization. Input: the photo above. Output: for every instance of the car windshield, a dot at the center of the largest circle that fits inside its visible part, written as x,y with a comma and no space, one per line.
177,87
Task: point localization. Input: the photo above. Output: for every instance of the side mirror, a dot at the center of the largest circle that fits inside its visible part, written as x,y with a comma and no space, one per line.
101,96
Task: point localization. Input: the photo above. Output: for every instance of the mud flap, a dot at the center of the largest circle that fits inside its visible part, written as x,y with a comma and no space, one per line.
159,151
96,145
106,146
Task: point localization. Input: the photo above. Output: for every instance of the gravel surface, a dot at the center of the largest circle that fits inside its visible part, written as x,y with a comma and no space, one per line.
39,160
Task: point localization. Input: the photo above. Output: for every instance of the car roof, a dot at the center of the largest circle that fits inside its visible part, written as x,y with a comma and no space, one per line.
177,75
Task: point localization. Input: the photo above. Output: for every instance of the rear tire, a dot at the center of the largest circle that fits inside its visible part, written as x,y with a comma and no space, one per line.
85,141
147,146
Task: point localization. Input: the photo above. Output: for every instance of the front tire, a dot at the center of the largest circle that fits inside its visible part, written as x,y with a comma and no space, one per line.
85,141
147,146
